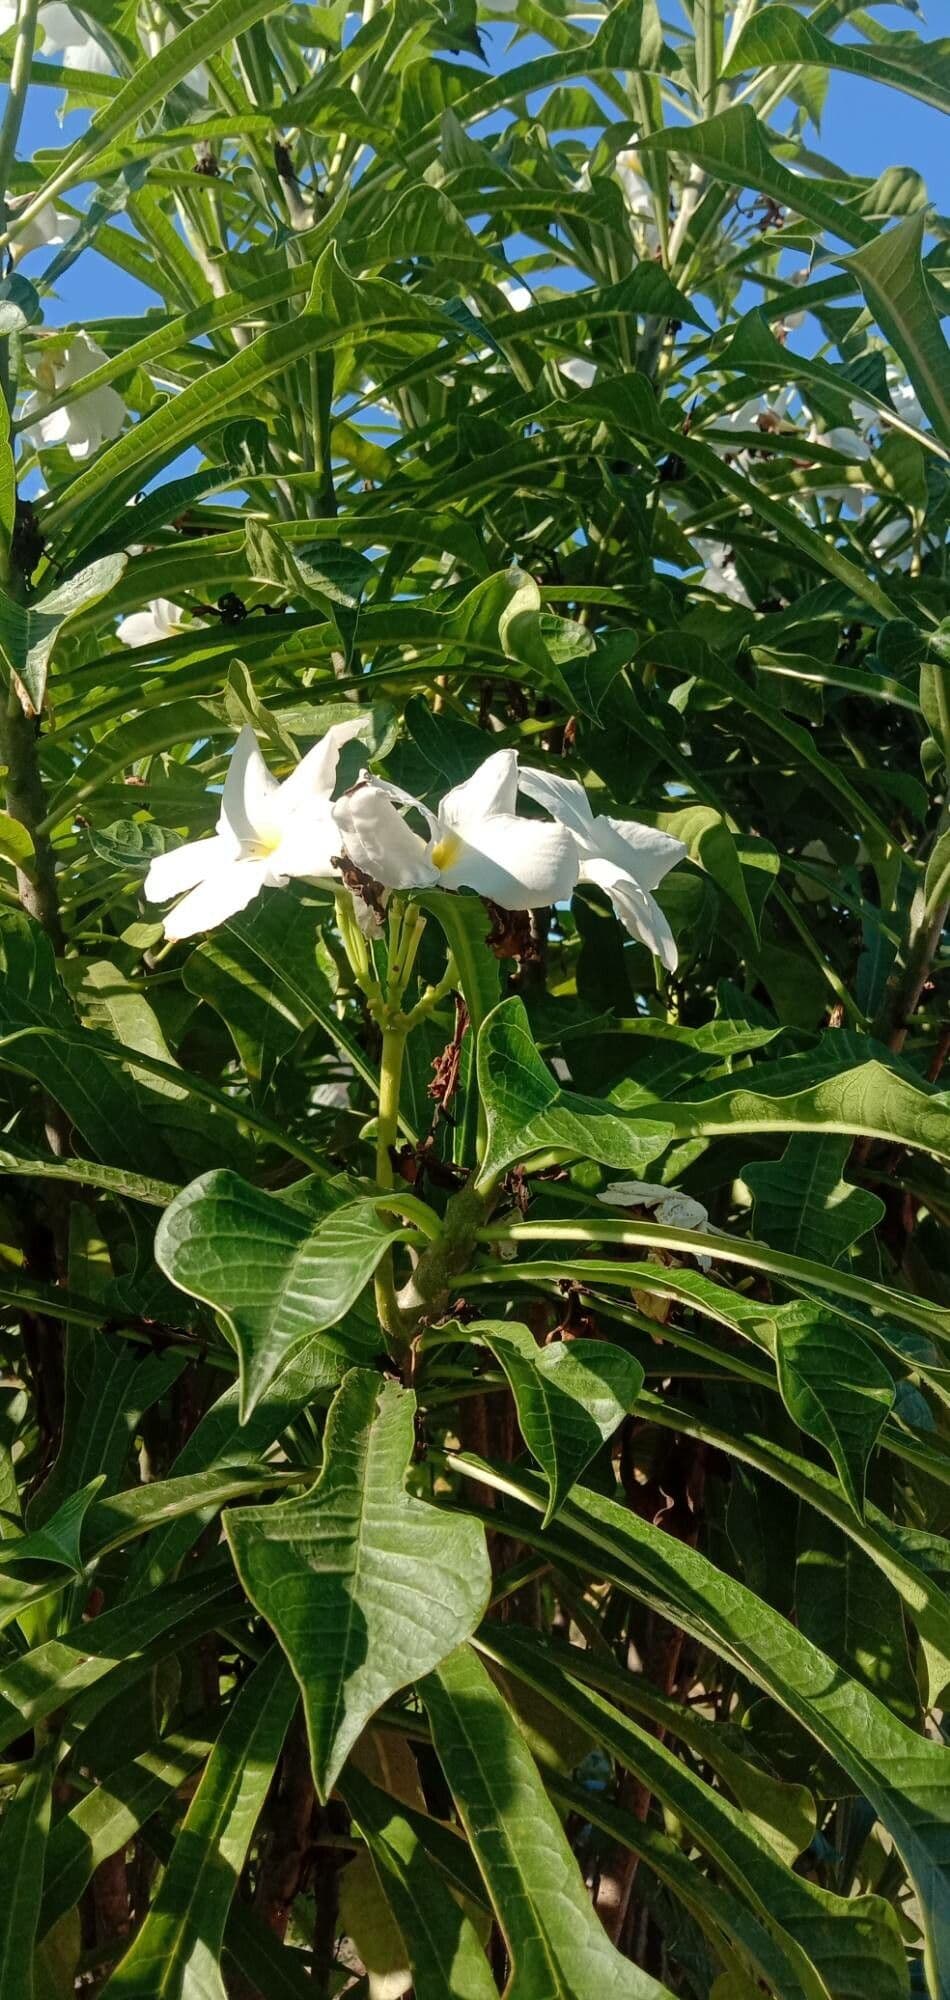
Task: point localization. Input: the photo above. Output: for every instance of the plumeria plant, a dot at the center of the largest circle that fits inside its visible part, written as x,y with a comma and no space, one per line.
474,866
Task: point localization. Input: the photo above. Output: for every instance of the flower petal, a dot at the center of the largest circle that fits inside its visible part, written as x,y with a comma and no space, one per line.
647,853
308,845
493,788
520,864
138,629
376,838
563,798
182,867
221,895
636,908
315,775
248,791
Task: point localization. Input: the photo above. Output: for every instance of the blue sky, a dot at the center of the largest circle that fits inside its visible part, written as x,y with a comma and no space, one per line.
865,128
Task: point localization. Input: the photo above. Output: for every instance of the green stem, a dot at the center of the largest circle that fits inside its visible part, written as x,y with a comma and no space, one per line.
390,1077
16,98
36,887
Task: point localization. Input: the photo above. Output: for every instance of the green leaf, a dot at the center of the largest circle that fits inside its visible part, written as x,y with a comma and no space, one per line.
906,1777
847,1607
441,1942
733,147
528,1112
836,1388
803,1204
108,1817
16,841
891,276
280,1275
779,35
148,86
130,843
570,1397
711,843
103,1103
113,1646
23,1836
220,1441
58,1541
336,305
261,974
557,1947
28,632
175,1954
867,1098
820,1937
365,1586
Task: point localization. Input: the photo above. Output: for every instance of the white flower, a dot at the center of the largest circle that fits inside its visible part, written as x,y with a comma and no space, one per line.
620,856
905,400
84,424
267,833
50,227
670,1206
719,576
474,841
65,35
639,198
160,620
518,296
578,370
898,530
852,445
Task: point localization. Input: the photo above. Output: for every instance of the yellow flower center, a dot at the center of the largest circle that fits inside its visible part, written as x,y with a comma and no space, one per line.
446,851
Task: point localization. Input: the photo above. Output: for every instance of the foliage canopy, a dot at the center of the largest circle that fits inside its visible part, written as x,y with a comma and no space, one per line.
474,1292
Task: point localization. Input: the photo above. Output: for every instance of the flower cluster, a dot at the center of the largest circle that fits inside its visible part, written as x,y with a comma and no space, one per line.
270,833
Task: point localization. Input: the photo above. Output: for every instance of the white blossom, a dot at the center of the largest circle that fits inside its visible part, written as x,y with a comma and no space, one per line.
84,424
267,834
161,619
474,839
628,861
719,575
906,402
578,370
49,229
853,445
66,35
639,199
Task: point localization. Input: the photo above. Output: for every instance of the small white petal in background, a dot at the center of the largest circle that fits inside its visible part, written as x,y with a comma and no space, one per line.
853,446
720,576
84,424
474,839
268,833
628,861
578,370
518,296
905,400
638,195
161,619
669,1206
49,229
66,36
